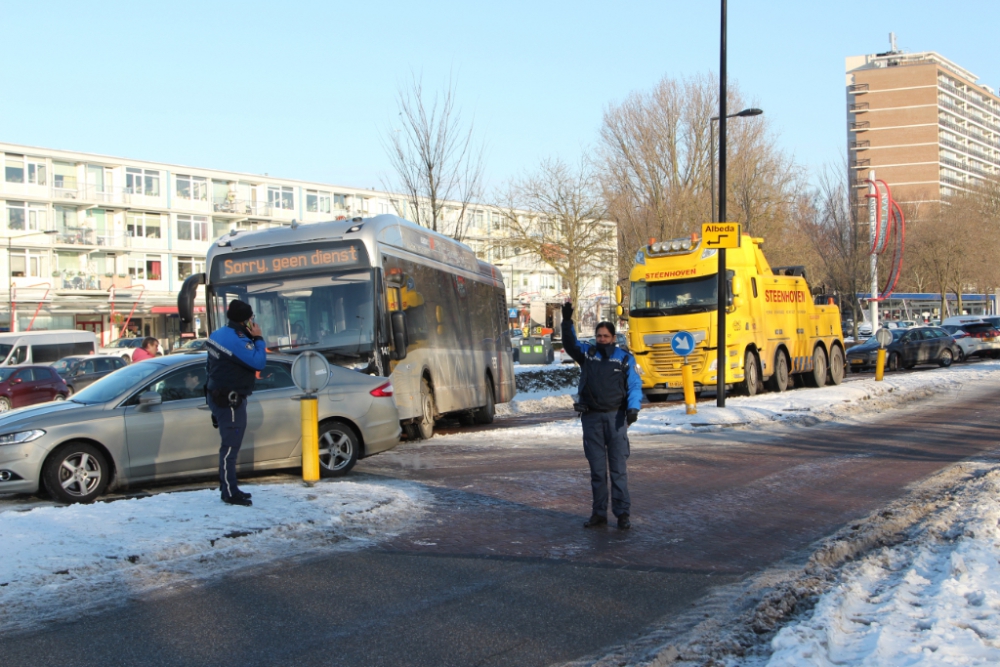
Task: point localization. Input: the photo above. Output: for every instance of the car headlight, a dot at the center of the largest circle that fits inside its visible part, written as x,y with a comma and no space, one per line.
21,437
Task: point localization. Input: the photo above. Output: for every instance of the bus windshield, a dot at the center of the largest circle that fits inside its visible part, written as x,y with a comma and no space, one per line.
674,297
333,315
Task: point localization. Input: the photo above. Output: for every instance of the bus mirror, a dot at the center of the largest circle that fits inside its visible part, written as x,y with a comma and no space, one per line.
618,297
737,302
439,314
737,287
619,311
399,338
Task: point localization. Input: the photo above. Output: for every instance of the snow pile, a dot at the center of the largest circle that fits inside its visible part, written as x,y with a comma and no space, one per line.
547,378
933,600
60,561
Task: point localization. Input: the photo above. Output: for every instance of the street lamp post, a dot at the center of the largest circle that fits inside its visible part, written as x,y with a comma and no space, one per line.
10,273
752,111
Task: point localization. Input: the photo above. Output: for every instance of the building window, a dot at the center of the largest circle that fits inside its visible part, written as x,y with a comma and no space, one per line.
16,215
19,169
280,197
36,172
339,201
25,264
192,187
187,266
317,201
145,267
139,224
142,182
192,227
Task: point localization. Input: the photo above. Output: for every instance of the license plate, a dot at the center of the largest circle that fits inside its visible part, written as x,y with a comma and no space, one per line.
857,361
673,385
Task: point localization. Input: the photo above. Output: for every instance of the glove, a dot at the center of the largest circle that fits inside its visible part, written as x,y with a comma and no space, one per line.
567,311
631,416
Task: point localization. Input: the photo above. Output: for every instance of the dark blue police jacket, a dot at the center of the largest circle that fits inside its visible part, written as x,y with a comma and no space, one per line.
234,357
606,383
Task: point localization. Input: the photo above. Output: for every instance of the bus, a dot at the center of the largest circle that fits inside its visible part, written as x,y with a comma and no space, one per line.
379,295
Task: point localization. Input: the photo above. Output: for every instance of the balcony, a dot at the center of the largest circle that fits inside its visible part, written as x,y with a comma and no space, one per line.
105,195
862,163
859,107
858,145
975,136
241,208
858,88
951,90
859,125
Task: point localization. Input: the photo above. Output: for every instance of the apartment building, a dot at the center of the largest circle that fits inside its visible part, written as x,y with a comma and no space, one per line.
923,123
104,243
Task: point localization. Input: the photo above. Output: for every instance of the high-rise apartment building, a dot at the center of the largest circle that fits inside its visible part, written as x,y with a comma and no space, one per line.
924,124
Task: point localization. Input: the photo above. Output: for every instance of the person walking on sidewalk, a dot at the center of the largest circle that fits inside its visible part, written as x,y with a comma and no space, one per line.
610,396
235,353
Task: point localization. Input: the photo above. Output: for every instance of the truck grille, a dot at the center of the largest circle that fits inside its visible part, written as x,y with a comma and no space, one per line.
664,361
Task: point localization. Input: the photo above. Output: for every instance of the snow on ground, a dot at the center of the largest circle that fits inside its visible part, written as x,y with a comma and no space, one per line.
799,406
61,561
932,600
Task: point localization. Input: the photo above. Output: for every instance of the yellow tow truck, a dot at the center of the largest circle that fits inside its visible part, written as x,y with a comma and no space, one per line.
776,329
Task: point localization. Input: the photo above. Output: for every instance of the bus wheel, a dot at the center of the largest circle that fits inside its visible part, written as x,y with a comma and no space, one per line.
426,423
836,366
485,414
818,376
751,375
779,380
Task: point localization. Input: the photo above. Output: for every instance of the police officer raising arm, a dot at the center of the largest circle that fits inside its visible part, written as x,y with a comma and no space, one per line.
235,353
609,400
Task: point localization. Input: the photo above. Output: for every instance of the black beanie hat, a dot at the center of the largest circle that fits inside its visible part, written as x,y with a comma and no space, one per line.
239,311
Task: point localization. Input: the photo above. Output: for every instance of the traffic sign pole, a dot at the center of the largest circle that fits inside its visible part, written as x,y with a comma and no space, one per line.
311,374
688,380
880,365
682,343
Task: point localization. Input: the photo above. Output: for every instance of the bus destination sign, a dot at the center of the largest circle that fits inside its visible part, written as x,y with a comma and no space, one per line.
255,264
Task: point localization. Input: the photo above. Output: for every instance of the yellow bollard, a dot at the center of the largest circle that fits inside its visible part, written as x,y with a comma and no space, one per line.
688,381
880,364
310,439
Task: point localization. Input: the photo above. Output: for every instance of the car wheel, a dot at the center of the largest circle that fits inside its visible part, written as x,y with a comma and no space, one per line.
961,355
817,378
836,375
69,391
59,397
892,363
411,432
751,374
947,356
76,473
485,414
426,423
4,404
779,379
338,449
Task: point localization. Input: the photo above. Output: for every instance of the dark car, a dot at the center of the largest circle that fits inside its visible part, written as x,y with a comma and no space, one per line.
909,347
79,371
21,386
191,345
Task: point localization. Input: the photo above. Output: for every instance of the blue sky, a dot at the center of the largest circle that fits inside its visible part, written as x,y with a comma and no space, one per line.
303,89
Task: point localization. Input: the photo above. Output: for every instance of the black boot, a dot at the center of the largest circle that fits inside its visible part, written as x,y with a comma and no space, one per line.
623,522
243,494
237,500
596,520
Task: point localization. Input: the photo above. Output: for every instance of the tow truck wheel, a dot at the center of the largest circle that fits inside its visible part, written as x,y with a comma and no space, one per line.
818,376
836,366
751,374
779,380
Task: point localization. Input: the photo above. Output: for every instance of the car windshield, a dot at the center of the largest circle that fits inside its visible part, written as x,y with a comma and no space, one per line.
114,385
63,365
5,350
193,344
674,297
6,373
124,342
334,315
873,342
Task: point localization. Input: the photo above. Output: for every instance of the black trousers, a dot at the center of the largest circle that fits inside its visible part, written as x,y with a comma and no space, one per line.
605,442
232,427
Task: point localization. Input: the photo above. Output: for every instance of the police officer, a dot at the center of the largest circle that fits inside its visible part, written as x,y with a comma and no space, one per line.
235,353
609,400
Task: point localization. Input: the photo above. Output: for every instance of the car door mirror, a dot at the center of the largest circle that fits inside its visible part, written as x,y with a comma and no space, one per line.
16,381
399,337
149,398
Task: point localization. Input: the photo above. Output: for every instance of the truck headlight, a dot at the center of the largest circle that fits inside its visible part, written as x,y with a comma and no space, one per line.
21,437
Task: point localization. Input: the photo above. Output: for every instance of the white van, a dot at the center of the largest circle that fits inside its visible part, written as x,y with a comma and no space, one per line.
44,347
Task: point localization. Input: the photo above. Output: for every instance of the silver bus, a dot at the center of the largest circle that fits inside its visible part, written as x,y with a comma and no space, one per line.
379,295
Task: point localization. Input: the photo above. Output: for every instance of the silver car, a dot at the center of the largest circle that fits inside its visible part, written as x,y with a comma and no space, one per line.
150,421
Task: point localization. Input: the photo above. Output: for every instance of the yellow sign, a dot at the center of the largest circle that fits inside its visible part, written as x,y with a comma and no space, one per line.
721,234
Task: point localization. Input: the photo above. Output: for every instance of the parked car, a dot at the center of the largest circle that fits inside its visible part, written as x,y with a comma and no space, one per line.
864,330
970,345
192,345
44,347
563,355
81,371
28,385
125,348
909,347
150,422
985,333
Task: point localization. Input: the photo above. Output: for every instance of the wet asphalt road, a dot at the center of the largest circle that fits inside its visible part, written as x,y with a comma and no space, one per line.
501,573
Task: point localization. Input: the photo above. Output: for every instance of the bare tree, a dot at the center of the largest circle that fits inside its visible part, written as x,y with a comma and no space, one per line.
437,164
558,215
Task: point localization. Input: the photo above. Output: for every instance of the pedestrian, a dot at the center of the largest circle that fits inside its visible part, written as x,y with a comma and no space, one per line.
609,400
150,346
236,352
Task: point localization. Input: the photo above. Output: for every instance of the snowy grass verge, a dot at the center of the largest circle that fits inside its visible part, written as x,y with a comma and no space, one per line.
64,561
